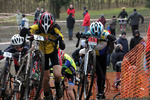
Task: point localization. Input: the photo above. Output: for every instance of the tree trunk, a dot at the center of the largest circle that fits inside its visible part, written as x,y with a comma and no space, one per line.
102,3
108,2
116,1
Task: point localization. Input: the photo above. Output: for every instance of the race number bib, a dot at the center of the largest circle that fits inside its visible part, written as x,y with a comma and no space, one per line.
38,37
7,54
92,41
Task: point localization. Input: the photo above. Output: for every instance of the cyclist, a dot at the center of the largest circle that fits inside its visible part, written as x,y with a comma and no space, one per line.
69,70
76,55
123,14
47,29
97,29
17,45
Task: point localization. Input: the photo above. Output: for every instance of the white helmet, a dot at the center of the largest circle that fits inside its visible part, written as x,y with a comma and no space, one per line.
17,40
96,28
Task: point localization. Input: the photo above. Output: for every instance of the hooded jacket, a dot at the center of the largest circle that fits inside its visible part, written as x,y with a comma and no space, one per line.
124,42
135,40
117,56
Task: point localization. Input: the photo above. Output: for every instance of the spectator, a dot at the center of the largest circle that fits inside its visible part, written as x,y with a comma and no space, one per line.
84,8
36,15
113,25
116,57
123,14
135,17
102,20
124,42
42,11
86,21
70,25
135,40
24,22
18,17
71,10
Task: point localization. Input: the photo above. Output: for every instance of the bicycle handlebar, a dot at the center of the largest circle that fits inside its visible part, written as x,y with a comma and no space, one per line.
80,35
10,55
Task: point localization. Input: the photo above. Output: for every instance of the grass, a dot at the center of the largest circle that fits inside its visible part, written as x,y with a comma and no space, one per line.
96,13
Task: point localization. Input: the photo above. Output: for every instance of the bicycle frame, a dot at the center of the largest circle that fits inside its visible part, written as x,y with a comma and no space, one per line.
86,58
7,73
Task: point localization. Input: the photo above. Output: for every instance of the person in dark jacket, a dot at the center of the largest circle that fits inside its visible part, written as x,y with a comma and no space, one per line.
102,20
124,42
70,25
113,24
36,15
135,17
135,40
123,14
76,55
116,58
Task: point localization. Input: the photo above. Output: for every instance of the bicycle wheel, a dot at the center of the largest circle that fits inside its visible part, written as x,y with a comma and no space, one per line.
80,83
38,67
1,81
6,85
89,77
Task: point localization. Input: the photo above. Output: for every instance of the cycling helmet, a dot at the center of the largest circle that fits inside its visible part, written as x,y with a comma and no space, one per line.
96,28
45,22
17,40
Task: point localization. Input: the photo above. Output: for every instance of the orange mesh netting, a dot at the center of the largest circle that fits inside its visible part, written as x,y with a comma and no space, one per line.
135,70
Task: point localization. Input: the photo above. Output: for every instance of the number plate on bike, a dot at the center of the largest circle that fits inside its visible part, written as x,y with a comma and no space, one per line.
7,54
92,41
38,37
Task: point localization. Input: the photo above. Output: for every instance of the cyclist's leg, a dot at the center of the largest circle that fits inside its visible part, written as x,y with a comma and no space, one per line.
57,74
71,81
46,77
101,63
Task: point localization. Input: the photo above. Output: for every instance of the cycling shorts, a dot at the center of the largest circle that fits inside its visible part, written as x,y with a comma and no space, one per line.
54,60
71,79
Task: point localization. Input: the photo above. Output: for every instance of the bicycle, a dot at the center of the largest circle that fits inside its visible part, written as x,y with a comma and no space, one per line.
87,68
63,86
23,80
6,77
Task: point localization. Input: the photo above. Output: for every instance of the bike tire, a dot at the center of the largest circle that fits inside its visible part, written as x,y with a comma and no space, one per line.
80,83
40,70
89,77
6,84
1,81
25,86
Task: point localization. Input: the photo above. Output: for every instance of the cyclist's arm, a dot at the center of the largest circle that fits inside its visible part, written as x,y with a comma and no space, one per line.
61,39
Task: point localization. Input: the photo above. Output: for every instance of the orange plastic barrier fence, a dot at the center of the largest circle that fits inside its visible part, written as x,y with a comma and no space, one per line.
135,70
